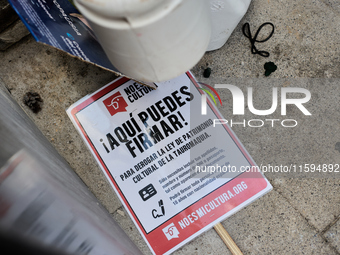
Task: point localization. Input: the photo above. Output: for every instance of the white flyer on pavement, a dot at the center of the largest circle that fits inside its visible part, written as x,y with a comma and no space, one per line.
176,171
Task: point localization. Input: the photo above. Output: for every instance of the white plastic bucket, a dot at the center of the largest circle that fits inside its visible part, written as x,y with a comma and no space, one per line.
150,40
225,15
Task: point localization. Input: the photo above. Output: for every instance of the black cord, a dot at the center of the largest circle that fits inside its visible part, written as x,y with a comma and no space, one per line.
252,40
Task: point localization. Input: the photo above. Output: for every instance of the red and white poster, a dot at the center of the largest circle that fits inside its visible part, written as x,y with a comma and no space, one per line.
176,171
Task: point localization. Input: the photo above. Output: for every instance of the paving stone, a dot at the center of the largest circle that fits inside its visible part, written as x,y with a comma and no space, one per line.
316,199
13,34
303,44
333,236
272,226
313,141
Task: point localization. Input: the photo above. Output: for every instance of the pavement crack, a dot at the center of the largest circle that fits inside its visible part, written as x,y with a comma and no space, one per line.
319,233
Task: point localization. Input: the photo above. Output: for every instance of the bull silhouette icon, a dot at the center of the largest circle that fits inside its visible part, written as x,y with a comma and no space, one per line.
115,103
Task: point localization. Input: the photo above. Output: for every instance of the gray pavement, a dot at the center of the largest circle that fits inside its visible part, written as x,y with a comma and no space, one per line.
301,215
